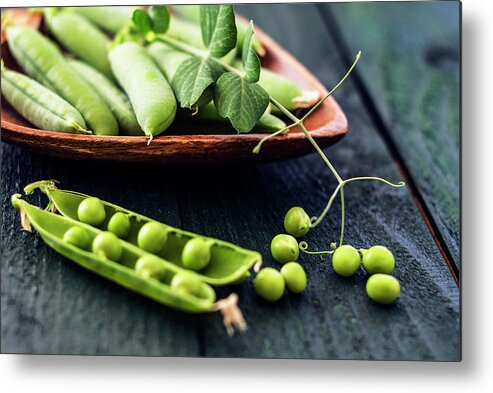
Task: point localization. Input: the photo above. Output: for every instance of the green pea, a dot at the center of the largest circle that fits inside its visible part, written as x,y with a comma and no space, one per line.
78,237
284,248
378,259
152,237
297,222
91,211
150,266
186,282
269,284
196,254
119,224
346,260
295,277
106,244
383,288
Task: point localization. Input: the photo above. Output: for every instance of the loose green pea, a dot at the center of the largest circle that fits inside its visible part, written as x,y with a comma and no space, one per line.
119,224
378,259
383,288
150,266
78,237
186,282
196,254
297,222
269,284
152,237
295,277
106,244
346,260
284,248
91,211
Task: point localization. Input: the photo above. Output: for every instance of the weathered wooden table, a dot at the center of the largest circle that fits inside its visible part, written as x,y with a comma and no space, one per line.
403,109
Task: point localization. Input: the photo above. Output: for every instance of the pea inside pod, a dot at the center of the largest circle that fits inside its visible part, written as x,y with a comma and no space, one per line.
228,263
173,286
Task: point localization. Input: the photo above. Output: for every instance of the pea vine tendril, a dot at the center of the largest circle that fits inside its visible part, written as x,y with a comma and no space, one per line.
296,122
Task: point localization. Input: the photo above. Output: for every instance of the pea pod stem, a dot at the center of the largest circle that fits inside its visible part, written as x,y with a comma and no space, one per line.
304,247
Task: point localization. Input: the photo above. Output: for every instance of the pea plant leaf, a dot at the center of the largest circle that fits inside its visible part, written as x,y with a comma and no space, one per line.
250,60
192,78
142,22
240,101
159,15
218,26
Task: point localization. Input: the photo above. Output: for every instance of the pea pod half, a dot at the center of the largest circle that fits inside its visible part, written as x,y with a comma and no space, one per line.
229,263
43,61
52,228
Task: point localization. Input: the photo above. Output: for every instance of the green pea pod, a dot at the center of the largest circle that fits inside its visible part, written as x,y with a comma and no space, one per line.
150,93
52,228
39,105
116,100
80,37
43,61
266,123
287,92
229,263
192,14
110,19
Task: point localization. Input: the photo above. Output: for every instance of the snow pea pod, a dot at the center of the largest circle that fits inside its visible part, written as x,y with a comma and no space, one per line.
110,19
80,37
40,105
127,271
116,100
150,93
228,264
43,61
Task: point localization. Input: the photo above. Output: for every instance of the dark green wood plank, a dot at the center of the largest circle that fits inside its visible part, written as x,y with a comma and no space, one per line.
333,318
411,70
51,305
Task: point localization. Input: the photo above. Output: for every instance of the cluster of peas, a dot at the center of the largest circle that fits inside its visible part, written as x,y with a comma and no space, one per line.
378,261
151,237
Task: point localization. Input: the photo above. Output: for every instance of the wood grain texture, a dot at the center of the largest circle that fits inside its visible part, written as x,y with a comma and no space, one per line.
51,305
181,144
411,70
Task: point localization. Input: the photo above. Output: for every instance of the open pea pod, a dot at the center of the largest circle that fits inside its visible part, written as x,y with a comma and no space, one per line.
229,264
52,228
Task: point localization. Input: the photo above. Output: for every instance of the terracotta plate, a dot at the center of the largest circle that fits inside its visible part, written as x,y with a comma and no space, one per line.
178,146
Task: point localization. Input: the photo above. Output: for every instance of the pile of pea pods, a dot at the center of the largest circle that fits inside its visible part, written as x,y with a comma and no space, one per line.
94,84
378,261
169,265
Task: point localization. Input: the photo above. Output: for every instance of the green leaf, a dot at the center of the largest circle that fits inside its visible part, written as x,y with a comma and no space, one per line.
142,22
160,18
192,78
251,62
218,29
243,103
